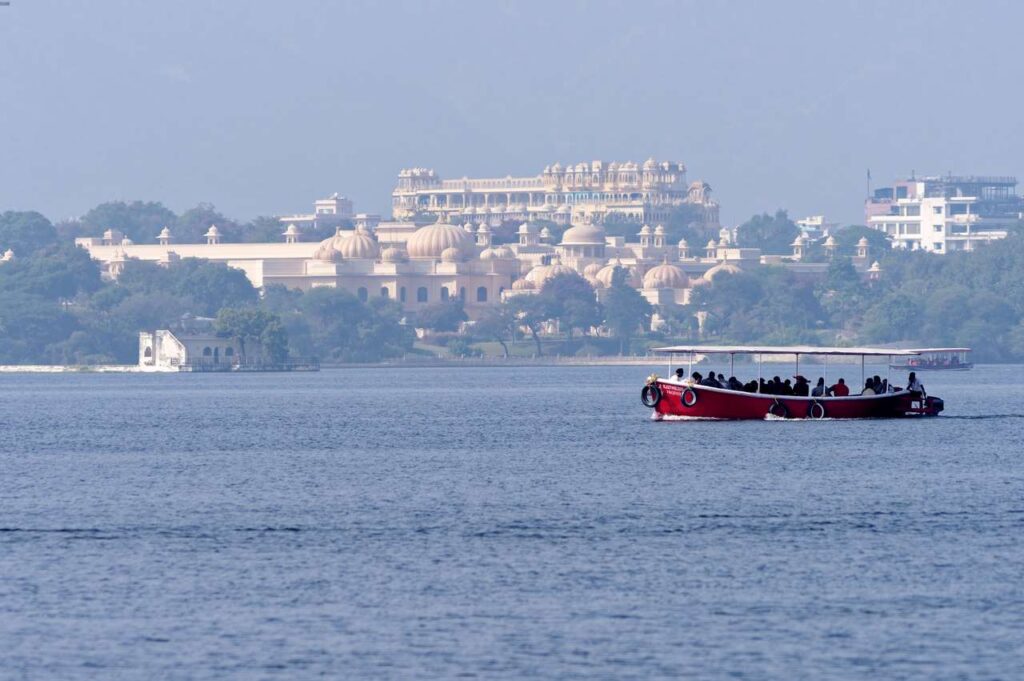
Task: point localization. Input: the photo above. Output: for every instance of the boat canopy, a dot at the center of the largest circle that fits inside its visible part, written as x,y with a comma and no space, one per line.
938,351
787,350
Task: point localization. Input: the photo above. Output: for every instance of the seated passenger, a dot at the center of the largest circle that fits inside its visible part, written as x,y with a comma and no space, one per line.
679,376
695,378
776,385
840,389
762,387
711,381
915,386
801,388
787,388
751,387
876,384
819,388
868,388
734,384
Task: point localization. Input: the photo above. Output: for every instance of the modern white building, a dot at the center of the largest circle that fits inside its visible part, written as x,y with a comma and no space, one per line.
329,212
945,214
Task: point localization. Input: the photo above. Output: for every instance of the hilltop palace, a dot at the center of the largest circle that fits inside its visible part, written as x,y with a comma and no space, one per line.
595,190
454,256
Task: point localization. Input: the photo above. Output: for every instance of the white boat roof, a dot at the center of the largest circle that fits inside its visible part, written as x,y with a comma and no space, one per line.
928,351
786,350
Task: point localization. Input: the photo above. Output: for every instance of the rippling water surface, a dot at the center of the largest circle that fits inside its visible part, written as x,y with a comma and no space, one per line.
499,523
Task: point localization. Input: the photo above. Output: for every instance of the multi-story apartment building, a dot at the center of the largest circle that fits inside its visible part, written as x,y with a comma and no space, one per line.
644,192
945,214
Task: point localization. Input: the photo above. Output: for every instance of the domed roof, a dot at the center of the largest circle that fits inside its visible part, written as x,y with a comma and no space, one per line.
430,241
545,233
799,240
504,252
468,226
605,274
683,244
451,254
863,241
522,285
326,252
720,268
487,254
665,276
291,230
587,235
645,230
165,233
592,269
711,244
659,230
830,241
392,254
358,245
650,164
213,231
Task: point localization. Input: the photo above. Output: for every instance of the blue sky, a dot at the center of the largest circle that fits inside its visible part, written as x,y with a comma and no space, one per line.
259,107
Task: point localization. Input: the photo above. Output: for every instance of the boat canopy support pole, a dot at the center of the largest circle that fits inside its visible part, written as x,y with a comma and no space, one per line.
797,372
863,376
759,373
732,364
689,365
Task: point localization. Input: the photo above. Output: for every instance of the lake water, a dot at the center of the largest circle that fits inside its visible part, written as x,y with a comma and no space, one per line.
507,523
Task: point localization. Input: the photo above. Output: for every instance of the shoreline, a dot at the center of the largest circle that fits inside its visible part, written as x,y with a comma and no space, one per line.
417,364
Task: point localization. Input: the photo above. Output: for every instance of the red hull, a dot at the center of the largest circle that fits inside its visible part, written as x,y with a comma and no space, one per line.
715,403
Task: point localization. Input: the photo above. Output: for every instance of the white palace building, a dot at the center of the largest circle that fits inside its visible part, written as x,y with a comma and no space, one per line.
643,192
422,265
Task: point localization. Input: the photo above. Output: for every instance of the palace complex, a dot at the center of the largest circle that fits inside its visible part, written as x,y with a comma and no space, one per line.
645,192
422,265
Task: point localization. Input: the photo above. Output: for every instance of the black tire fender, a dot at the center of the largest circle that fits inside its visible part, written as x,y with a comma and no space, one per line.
650,396
688,397
816,410
778,409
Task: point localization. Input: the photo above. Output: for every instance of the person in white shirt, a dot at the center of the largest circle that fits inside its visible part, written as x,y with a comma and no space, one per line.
914,385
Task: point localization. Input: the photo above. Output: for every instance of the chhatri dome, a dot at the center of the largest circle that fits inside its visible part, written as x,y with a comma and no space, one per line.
605,274
522,285
592,269
358,245
665,276
392,254
432,240
721,268
583,235
451,254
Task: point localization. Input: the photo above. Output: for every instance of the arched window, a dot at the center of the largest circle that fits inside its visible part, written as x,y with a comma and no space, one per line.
462,293
148,352
401,294
363,294
421,294
207,351
384,293
230,352
444,293
481,294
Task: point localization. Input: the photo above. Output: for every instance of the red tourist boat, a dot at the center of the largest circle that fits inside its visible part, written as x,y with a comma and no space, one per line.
670,398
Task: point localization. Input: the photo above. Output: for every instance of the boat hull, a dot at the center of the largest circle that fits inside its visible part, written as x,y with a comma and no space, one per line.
679,400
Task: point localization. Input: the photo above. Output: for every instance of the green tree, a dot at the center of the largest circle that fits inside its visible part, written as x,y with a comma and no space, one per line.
570,299
255,325
848,236
625,311
140,221
443,316
25,232
263,229
497,323
191,226
56,273
773,234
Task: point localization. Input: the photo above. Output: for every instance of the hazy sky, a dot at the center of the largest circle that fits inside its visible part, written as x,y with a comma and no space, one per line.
260,107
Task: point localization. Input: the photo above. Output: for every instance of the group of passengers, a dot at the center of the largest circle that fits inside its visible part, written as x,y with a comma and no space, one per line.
798,387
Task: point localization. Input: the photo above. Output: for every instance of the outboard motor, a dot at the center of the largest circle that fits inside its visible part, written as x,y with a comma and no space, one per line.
934,405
